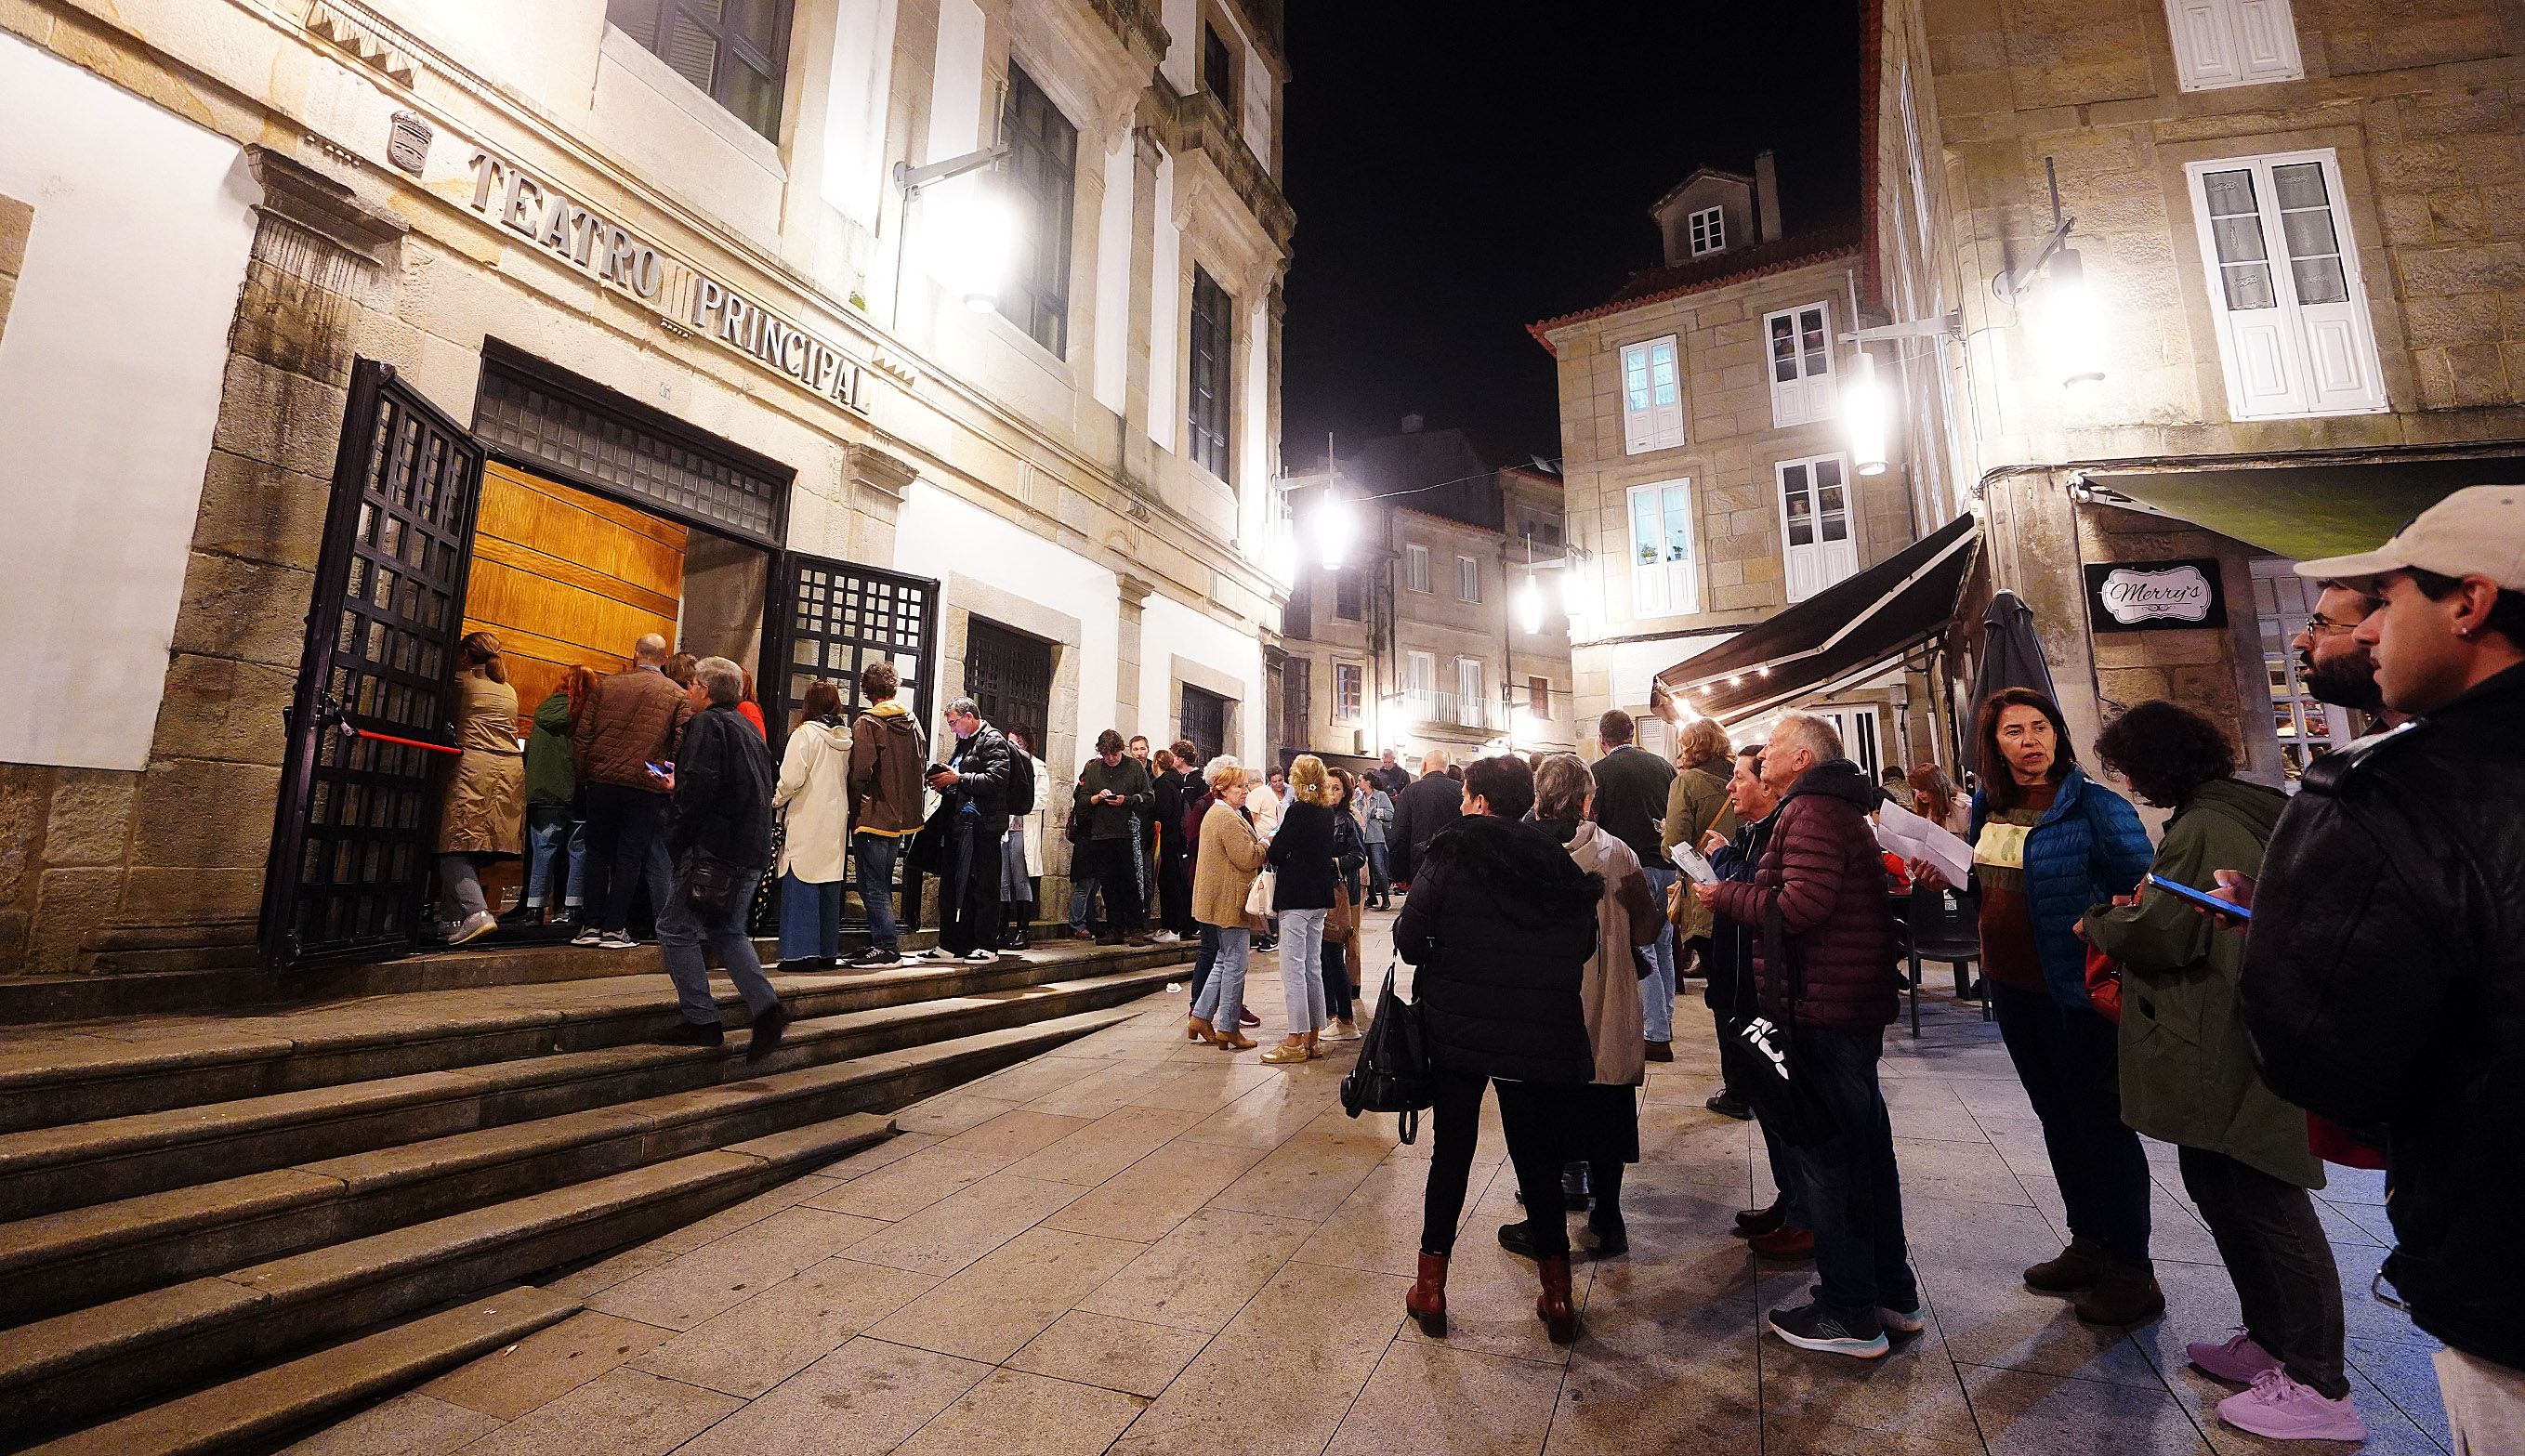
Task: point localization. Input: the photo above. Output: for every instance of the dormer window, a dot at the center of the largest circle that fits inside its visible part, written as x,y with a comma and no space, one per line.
1708,230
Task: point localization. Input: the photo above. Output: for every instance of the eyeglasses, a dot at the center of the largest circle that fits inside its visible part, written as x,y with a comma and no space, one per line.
2319,626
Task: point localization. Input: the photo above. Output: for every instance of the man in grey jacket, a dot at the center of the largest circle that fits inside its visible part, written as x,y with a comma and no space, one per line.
1374,818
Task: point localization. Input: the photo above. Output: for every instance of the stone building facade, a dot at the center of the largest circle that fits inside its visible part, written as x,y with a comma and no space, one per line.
2306,312
1710,480
679,291
1421,637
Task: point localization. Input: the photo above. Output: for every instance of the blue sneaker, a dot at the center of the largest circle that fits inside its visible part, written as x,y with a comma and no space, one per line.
1812,1327
1903,1321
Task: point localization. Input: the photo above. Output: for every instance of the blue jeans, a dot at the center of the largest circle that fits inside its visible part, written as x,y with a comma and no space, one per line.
1205,959
680,934
1082,890
1221,1001
1656,988
875,853
1853,1190
1301,969
810,918
546,827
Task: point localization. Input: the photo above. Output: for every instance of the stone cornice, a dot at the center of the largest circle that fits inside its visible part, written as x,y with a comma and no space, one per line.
1199,125
321,205
1136,22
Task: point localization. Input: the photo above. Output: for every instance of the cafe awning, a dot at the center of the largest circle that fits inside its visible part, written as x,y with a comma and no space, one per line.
2310,511
1847,632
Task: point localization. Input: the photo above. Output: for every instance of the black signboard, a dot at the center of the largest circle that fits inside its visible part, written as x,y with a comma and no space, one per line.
2154,595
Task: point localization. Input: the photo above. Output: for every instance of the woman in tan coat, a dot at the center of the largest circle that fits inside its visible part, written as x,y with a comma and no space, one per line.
1626,916
1223,871
482,808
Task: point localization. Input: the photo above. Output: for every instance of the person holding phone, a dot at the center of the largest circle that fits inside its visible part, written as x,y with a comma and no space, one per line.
2186,1067
2048,844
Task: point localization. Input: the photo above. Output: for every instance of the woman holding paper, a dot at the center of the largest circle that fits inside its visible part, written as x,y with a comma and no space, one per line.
2047,843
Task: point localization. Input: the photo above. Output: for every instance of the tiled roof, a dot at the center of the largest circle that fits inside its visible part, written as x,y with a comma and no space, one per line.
1651,285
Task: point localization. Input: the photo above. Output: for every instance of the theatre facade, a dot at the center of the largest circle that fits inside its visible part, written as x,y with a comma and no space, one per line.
332,331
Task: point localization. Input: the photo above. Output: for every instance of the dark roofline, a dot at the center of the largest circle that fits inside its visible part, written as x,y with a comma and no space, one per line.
1657,285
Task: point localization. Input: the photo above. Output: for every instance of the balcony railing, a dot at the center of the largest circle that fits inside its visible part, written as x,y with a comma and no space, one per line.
1486,713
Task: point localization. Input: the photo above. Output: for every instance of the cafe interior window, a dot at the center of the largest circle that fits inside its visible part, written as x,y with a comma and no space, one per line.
735,50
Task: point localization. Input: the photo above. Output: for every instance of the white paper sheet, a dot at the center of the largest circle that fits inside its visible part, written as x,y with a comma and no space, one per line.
1914,838
1695,868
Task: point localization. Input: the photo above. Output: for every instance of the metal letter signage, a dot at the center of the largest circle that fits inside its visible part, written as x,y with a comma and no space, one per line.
506,194
2149,596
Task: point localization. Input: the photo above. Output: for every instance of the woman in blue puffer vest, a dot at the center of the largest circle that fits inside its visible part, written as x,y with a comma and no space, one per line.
2048,844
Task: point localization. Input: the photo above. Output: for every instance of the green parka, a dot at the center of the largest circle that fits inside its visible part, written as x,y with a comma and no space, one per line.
2187,1074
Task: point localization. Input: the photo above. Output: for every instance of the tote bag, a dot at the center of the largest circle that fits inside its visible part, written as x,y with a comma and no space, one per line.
1782,1091
1393,1070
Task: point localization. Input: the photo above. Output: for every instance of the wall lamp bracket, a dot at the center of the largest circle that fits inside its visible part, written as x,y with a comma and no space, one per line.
1949,324
908,180
2008,285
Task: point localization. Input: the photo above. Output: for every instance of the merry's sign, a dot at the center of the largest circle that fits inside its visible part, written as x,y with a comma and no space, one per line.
2149,596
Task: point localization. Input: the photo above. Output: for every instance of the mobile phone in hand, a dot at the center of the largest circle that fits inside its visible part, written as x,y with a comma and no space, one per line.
2202,898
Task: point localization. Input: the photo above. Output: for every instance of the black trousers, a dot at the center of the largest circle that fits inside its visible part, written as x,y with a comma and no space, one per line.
968,899
1608,1139
2070,1062
1116,866
2276,1252
1174,894
1538,1121
626,831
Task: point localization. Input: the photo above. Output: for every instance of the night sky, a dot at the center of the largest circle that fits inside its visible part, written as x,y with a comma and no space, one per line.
1461,170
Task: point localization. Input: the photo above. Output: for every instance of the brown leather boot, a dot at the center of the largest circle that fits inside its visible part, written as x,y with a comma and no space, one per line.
1553,1307
2125,1294
2075,1268
1426,1300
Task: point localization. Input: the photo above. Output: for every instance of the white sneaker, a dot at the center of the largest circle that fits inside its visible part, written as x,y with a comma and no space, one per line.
617,940
937,953
591,936
477,925
1165,937
979,957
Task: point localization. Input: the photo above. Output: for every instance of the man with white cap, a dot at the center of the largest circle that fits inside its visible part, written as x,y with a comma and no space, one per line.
2384,983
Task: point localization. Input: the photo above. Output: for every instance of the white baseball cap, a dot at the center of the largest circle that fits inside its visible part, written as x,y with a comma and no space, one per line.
2478,531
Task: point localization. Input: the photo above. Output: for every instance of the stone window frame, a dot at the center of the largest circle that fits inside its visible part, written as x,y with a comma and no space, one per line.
1415,569
1350,691
2223,44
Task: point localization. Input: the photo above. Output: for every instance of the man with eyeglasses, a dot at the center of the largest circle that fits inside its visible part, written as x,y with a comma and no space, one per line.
2335,666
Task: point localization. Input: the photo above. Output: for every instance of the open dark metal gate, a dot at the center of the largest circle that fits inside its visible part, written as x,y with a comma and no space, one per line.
1008,676
349,844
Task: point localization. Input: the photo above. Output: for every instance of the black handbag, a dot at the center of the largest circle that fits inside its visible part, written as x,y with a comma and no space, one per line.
1393,1070
711,885
1783,1097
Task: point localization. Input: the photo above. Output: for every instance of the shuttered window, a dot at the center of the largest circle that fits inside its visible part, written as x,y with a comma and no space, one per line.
2233,42
1212,340
1818,547
1652,396
1800,345
1663,580
2293,333
1043,177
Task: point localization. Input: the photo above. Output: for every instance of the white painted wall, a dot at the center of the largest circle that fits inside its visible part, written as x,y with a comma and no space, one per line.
939,535
111,367
1113,242
1165,354
1168,628
955,84
1182,64
1252,442
862,72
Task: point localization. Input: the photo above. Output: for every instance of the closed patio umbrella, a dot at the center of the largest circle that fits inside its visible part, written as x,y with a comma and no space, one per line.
2010,657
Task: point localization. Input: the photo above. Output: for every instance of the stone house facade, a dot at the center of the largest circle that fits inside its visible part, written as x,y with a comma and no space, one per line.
681,292
2306,312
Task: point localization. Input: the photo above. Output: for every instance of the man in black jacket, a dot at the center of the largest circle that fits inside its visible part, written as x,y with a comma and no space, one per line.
1173,790
720,835
1631,788
1432,802
1112,801
2384,981
974,800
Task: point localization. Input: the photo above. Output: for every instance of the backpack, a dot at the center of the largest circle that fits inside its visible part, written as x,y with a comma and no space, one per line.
1020,785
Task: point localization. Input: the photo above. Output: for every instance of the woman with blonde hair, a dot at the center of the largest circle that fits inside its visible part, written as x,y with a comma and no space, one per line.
1301,858
1934,797
812,801
482,807
1223,871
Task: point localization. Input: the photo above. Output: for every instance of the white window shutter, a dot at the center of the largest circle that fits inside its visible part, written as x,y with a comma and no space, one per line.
1665,386
1638,415
2294,332
2204,43
2266,42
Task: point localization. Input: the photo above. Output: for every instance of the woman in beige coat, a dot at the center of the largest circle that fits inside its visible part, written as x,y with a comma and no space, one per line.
1223,871
1626,916
482,807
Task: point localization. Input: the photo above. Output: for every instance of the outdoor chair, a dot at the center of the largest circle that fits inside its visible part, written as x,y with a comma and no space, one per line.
1944,925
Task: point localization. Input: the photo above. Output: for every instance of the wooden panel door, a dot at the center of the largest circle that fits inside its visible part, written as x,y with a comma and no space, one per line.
567,579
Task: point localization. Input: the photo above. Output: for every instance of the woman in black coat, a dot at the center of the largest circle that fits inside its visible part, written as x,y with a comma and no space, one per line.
1499,928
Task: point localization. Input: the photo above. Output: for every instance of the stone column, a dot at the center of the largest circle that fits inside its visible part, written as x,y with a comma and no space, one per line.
190,874
1138,451
1135,594
878,482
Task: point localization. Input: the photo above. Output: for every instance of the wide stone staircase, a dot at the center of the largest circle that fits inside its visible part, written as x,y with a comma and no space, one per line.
217,1228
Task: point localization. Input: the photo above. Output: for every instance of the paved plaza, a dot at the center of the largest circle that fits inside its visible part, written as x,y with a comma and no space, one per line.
1135,1244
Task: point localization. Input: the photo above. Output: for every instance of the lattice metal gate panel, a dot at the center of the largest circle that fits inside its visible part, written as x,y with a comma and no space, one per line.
840,618
1008,676
351,842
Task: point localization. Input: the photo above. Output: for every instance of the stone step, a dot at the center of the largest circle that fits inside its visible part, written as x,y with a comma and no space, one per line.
53,1076
250,1412
61,1373
64,1260
46,1170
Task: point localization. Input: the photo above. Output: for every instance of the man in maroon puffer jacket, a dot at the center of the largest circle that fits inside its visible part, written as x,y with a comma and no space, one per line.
1822,890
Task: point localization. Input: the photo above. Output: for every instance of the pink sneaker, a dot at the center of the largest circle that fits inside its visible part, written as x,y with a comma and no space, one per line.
2280,1408
2234,1359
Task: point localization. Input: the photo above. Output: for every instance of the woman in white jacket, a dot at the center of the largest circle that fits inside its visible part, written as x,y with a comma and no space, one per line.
813,800
1022,852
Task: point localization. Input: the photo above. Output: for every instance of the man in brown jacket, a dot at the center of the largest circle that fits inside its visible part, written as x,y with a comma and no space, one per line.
888,756
632,721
